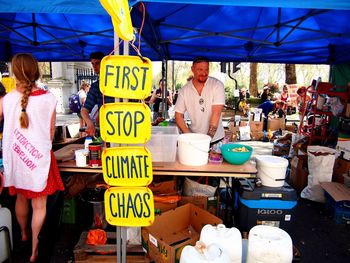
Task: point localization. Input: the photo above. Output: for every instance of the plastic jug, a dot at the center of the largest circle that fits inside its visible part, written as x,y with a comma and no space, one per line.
230,239
5,243
204,254
268,244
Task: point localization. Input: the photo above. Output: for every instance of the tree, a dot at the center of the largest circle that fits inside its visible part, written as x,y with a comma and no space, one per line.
291,76
253,85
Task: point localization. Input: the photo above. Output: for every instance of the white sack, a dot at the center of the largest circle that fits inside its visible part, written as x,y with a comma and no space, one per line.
320,164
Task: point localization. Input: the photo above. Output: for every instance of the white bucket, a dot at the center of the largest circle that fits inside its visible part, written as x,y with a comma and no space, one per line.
271,170
193,148
268,244
229,239
81,157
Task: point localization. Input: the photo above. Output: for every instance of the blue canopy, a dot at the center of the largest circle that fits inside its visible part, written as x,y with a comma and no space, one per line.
275,31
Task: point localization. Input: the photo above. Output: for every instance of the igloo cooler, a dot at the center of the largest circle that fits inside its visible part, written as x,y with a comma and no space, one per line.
265,205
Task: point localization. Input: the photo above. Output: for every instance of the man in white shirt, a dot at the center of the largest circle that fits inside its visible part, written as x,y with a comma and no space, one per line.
203,98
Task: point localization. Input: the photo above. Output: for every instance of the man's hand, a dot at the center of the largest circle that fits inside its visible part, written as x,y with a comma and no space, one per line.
212,130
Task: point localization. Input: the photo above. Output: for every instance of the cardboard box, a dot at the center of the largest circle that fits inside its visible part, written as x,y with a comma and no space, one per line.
163,207
341,167
165,187
347,111
343,148
256,135
275,124
337,201
256,126
299,172
207,203
173,230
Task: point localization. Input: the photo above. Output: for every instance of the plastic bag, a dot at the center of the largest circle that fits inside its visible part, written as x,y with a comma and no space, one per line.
192,188
320,164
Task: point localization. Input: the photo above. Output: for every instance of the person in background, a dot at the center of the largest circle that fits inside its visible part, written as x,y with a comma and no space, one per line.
284,96
275,107
244,107
302,101
203,98
156,99
84,89
30,168
2,94
94,96
265,95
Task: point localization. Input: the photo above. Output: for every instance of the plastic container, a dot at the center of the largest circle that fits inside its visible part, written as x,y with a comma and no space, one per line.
81,157
235,157
193,149
163,143
230,239
5,237
202,253
88,140
268,244
271,170
95,150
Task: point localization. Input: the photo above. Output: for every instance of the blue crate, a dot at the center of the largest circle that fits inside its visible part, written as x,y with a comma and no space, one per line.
339,210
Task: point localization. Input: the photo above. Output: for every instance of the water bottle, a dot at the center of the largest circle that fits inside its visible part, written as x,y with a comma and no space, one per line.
88,140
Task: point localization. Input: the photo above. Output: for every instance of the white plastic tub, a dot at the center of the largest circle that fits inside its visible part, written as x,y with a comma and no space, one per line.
271,170
193,149
162,144
81,156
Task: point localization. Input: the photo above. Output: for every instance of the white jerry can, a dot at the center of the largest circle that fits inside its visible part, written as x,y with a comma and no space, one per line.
268,244
5,244
229,239
204,254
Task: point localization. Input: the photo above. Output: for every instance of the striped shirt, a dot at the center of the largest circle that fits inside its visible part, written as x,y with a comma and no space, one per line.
94,97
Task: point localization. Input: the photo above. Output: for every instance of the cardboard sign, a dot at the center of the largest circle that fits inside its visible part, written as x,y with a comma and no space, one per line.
125,123
126,77
119,11
127,166
129,206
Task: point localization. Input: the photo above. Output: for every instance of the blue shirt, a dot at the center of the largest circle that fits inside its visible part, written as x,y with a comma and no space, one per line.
94,97
266,107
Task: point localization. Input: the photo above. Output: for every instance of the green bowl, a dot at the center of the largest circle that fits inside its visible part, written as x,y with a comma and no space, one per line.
235,157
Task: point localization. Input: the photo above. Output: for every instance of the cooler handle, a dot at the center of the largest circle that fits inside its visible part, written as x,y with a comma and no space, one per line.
346,218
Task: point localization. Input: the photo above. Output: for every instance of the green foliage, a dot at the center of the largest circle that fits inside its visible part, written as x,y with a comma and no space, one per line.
178,86
254,102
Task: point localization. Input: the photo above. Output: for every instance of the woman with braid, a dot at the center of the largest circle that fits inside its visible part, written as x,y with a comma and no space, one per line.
30,169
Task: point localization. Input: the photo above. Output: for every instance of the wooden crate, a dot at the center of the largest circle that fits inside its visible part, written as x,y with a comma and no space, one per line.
107,252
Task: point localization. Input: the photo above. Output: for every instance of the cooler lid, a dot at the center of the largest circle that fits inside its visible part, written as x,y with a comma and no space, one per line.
249,191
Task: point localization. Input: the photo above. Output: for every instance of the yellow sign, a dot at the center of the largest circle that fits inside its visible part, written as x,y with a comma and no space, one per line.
9,83
127,166
125,122
129,206
119,11
126,77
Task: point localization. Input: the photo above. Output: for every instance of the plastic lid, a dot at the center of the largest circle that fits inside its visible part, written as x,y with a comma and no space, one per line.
272,160
194,137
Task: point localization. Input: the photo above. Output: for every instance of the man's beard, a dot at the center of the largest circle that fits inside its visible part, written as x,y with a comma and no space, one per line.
202,79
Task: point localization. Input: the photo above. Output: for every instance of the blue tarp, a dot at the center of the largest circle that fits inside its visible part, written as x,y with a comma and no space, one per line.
275,31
